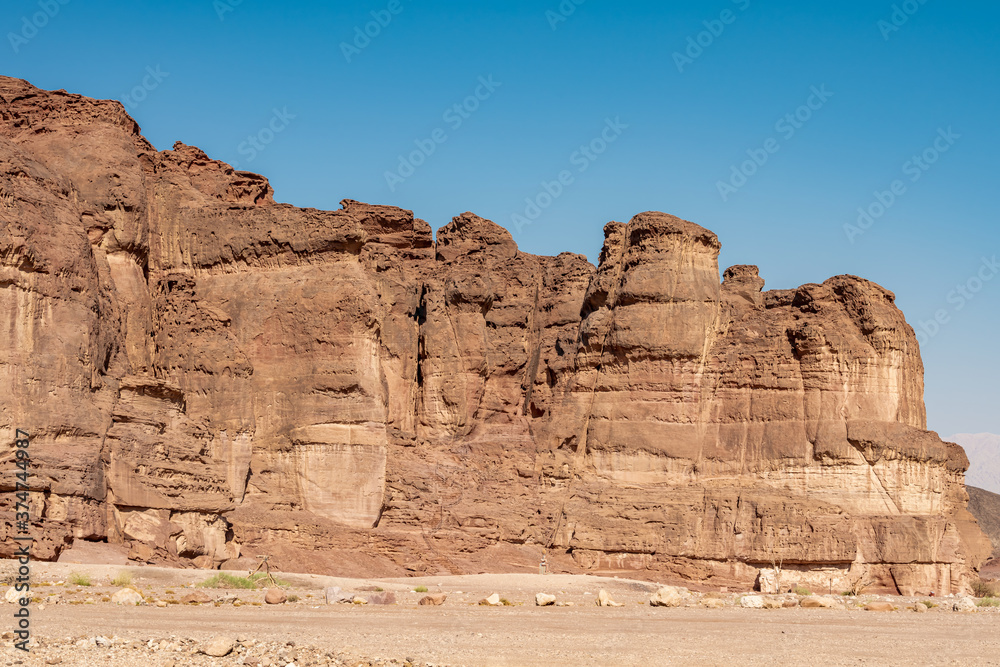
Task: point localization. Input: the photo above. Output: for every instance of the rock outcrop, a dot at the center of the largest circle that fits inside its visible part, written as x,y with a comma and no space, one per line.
208,375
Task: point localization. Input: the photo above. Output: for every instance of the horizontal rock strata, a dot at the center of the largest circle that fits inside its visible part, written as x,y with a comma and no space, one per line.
208,375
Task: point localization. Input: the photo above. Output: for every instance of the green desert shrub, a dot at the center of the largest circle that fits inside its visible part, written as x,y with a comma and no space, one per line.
79,579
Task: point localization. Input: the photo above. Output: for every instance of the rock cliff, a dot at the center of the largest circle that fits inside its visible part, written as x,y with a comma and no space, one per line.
208,375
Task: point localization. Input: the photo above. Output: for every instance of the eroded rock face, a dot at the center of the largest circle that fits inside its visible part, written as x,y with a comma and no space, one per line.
209,375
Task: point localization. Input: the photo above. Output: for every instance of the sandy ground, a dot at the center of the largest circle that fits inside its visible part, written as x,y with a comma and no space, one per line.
463,633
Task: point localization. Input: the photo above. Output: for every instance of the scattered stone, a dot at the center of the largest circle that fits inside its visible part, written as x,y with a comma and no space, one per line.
545,600
964,605
788,604
573,604
752,602
127,596
434,600
219,647
12,595
335,595
880,606
161,603
491,601
819,602
713,603
386,597
359,600
604,600
275,596
773,603
197,597
668,596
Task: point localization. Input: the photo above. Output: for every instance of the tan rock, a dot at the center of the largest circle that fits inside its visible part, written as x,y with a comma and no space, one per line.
604,600
126,596
964,605
276,596
668,596
491,600
545,600
880,606
196,597
434,600
219,647
819,602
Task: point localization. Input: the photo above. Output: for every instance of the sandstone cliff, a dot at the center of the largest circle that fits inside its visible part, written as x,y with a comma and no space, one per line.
209,375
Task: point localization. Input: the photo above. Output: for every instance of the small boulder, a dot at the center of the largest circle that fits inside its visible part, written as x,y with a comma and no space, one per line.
126,596
275,596
920,608
713,603
359,600
335,595
219,647
880,606
491,601
545,600
383,598
433,600
604,600
13,596
819,602
197,597
752,602
964,605
668,596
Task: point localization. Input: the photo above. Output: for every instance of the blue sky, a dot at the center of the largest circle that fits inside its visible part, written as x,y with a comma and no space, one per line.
682,92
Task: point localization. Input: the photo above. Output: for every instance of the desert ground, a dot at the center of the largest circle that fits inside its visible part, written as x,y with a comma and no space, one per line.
75,624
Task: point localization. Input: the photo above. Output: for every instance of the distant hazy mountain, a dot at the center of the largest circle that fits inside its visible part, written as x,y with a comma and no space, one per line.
985,506
983,450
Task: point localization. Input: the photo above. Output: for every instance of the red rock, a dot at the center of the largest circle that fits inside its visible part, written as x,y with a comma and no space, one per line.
209,375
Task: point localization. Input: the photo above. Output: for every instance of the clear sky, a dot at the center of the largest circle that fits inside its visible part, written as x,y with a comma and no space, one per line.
636,105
